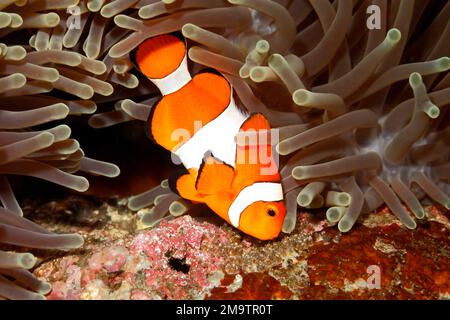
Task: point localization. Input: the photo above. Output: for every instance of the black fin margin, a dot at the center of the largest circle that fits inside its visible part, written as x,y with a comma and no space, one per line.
148,123
179,35
210,70
200,169
132,56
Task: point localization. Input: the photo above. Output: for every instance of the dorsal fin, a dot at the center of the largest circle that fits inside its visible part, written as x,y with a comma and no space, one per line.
256,121
252,131
254,151
148,122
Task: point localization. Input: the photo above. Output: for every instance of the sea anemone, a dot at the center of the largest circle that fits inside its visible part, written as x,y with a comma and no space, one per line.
27,78
360,112
353,133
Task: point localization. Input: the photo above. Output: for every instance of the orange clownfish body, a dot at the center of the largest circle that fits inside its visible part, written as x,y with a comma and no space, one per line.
198,120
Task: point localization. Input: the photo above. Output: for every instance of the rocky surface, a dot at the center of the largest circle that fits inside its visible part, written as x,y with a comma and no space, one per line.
202,258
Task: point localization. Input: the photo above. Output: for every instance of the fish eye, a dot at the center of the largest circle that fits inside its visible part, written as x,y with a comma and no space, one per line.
271,212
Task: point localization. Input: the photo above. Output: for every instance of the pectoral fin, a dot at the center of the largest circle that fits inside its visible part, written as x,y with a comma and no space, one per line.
214,176
182,182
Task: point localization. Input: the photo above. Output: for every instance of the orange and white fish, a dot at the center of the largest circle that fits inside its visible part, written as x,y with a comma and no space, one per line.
217,171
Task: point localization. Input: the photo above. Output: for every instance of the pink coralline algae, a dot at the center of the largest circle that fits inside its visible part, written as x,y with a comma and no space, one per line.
177,258
173,261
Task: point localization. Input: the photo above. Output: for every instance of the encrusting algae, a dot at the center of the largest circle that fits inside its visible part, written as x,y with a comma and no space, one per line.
361,113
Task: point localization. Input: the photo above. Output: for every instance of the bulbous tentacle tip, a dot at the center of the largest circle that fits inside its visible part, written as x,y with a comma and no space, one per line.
258,74
431,110
278,149
115,171
415,79
110,170
77,242
300,96
262,46
94,6
165,183
16,20
334,214
190,30
299,173
5,19
276,60
410,224
285,147
44,288
82,184
127,104
132,204
303,200
47,139
245,72
16,53
27,260
142,13
419,213
107,12
288,226
344,225
393,36
51,19
344,198
443,63
121,20
176,208
59,111
70,241
18,80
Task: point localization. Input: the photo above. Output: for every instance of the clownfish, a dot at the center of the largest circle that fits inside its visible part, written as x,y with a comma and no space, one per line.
217,170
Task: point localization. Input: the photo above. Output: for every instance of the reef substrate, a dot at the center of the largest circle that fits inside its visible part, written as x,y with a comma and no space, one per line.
199,258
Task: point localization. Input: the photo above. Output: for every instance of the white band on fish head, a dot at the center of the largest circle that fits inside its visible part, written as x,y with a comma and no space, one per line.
175,80
259,191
